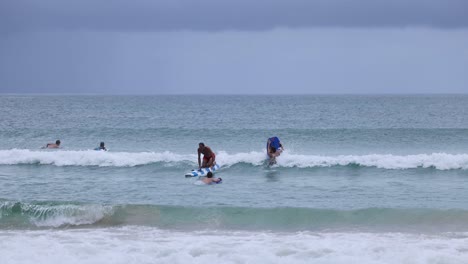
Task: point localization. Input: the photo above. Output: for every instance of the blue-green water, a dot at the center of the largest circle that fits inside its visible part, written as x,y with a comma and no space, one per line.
352,165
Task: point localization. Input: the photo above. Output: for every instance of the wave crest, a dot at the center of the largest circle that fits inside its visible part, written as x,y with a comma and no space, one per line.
440,161
51,214
14,214
88,158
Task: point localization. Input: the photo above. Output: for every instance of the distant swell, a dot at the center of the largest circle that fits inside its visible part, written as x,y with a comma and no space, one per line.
20,215
439,161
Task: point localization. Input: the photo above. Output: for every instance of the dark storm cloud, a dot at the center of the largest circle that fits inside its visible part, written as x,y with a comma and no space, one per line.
217,15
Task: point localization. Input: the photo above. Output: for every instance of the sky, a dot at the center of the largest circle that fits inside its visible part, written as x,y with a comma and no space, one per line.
234,46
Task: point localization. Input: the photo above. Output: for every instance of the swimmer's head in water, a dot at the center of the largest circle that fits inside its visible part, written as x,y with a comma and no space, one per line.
209,174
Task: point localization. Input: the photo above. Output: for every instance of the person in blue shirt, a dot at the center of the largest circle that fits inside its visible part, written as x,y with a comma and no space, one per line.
274,148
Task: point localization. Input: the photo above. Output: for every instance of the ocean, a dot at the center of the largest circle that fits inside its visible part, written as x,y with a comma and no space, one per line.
362,179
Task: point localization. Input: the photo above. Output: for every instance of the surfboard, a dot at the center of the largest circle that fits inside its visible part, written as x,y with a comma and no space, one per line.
203,171
98,149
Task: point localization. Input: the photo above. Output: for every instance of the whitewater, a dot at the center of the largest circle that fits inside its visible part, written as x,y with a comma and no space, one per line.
439,161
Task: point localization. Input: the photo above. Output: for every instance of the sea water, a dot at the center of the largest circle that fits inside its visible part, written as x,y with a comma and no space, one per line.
363,179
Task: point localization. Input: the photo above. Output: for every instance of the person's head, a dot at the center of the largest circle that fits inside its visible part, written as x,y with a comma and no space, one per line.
101,145
57,142
201,145
209,174
272,149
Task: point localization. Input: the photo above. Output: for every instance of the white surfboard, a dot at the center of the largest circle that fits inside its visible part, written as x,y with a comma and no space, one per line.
203,171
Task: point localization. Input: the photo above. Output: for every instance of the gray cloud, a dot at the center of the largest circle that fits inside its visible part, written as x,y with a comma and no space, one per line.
319,60
219,15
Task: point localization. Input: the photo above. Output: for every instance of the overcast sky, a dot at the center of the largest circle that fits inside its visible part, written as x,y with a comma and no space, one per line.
233,46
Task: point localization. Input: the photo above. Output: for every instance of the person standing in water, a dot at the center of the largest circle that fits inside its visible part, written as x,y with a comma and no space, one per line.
208,156
274,149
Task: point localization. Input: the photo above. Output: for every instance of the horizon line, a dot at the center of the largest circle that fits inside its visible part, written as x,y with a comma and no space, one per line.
224,94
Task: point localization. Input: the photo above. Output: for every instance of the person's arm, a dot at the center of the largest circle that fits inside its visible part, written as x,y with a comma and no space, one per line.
199,161
269,153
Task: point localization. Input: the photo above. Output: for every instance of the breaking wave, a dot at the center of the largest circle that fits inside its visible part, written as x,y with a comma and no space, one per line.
439,161
20,215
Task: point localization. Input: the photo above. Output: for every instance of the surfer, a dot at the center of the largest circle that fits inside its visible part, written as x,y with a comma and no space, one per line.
274,149
209,179
101,147
208,156
52,145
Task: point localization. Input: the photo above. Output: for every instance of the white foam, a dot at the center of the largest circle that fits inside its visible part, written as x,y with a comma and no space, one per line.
151,245
440,161
88,158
